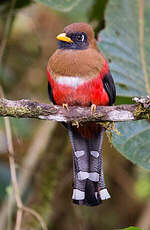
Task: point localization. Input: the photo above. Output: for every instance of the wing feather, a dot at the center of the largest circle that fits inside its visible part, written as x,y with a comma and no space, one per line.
109,86
50,93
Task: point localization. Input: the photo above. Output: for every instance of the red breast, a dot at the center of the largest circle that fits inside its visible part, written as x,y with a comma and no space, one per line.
78,91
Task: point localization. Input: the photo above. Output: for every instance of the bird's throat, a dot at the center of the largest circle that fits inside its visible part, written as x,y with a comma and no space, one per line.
81,63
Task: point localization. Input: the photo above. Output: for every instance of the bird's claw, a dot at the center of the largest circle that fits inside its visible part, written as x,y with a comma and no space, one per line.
93,108
65,106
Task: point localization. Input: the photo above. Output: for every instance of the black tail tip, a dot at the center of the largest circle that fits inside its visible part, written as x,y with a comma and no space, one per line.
93,203
90,203
92,197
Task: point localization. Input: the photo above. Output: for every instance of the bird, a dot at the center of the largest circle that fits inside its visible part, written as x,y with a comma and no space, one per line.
79,75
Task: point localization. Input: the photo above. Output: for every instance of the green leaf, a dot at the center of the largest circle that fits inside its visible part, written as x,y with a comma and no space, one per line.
121,45
6,4
4,179
79,13
126,46
134,142
123,100
142,185
61,5
131,228
23,127
18,4
96,14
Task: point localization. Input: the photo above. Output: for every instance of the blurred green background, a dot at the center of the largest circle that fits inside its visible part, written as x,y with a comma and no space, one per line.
43,152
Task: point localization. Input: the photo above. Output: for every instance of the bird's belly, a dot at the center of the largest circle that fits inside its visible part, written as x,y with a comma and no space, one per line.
79,92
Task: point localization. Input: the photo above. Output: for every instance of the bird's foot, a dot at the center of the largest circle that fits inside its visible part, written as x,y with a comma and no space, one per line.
93,108
65,106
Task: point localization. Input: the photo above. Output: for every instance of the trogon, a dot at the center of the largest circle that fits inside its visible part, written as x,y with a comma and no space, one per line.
79,75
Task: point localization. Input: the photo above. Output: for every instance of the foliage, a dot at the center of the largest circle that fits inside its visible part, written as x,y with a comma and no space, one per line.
5,5
63,5
21,72
131,228
96,14
126,45
142,185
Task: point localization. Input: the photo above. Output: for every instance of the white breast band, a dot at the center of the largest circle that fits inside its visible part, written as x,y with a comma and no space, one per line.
70,81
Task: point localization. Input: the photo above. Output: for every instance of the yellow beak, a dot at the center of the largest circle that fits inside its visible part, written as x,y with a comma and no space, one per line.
63,37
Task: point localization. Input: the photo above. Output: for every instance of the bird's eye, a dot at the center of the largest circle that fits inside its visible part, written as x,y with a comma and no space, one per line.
80,38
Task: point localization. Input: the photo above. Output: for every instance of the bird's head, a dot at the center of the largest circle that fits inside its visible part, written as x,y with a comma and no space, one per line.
77,36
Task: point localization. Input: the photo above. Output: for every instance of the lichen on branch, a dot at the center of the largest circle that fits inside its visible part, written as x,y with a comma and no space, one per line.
31,109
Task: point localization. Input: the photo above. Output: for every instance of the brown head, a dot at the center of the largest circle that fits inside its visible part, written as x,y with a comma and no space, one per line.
77,36
77,54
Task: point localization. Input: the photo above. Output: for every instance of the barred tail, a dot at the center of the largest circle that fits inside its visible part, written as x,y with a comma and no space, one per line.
89,186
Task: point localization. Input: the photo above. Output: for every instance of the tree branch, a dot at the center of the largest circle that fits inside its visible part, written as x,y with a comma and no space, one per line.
30,109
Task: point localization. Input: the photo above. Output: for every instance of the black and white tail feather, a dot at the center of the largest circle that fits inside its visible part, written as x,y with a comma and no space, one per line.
89,185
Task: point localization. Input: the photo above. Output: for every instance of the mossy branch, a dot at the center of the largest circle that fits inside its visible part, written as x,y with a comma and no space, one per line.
30,109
